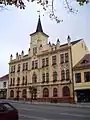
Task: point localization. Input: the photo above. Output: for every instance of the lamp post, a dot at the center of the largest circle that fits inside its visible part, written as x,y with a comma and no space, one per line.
18,91
31,91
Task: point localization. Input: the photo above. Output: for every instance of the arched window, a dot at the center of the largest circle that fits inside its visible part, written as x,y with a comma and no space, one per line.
11,93
54,92
34,78
66,91
24,93
34,93
45,92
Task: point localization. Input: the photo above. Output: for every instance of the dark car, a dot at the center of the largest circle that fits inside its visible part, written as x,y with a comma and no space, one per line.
8,112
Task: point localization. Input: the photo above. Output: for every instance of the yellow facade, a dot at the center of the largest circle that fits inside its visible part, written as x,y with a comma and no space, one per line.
82,84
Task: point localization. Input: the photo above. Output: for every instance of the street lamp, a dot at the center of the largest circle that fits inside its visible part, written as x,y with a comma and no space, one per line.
18,91
31,91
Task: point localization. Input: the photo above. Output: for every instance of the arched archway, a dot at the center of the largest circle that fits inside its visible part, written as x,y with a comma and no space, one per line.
34,78
66,91
54,92
45,92
24,93
12,93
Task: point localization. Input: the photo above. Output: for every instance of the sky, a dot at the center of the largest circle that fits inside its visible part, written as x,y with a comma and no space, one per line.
16,25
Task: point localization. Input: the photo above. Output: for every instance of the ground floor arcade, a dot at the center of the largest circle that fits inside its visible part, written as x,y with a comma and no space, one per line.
55,93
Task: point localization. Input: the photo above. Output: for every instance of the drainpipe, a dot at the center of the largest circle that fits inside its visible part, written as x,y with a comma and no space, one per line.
72,82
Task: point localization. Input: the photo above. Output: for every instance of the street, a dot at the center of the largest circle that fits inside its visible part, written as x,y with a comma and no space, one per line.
51,112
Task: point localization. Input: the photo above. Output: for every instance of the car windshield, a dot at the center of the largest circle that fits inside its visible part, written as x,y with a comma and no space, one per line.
8,106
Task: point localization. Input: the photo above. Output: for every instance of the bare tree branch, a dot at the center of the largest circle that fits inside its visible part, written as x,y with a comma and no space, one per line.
45,5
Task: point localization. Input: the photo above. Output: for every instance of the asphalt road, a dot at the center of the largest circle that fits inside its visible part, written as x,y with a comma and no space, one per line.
51,112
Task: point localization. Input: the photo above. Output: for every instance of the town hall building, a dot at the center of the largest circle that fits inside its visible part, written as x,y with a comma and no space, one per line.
45,73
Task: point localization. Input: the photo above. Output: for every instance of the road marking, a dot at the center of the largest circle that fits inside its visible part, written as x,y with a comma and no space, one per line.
28,109
74,115
34,117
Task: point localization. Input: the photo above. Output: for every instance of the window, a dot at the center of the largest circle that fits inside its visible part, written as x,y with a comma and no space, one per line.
87,76
62,58
24,93
18,81
23,66
78,77
1,108
36,64
32,64
43,77
54,76
12,69
47,77
26,80
13,81
62,75
27,66
34,78
18,70
11,93
34,93
4,84
8,106
23,81
67,75
54,60
66,91
45,92
54,92
34,50
47,61
66,57
43,62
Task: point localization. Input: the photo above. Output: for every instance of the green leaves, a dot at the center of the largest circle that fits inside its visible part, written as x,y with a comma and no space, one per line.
82,2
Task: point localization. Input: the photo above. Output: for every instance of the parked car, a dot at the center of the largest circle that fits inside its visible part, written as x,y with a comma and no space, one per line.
8,112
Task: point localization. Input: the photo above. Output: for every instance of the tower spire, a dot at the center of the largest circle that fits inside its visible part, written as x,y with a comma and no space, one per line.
39,26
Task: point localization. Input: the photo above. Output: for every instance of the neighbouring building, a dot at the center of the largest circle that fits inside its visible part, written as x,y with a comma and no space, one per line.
3,86
45,73
82,79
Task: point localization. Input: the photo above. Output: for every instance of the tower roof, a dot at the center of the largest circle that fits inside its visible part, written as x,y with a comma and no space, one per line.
39,28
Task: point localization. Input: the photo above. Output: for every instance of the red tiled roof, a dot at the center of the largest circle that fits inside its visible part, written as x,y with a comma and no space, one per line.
4,77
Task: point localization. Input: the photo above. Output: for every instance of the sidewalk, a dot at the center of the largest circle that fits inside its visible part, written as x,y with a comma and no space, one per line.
80,105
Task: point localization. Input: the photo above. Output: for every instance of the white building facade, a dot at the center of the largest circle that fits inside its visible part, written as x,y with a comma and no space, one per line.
4,86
